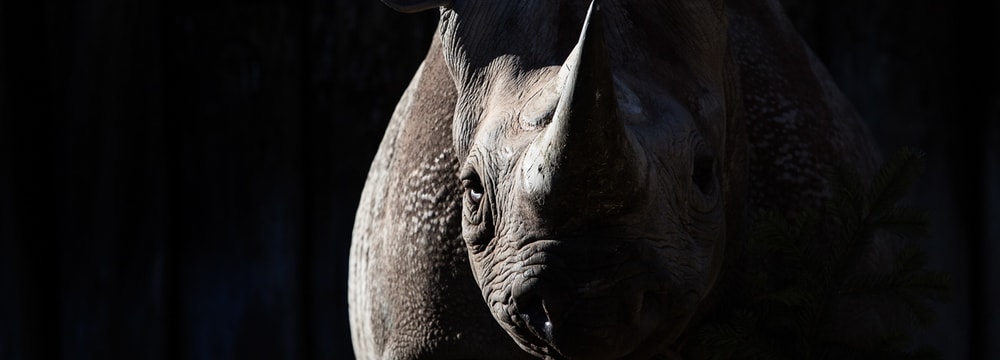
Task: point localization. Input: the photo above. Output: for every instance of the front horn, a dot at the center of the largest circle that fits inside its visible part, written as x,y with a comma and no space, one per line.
412,6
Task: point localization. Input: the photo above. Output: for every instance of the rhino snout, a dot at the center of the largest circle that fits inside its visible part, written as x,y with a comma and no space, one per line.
582,299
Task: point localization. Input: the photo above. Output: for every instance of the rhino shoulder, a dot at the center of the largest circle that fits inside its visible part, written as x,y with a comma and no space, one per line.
409,274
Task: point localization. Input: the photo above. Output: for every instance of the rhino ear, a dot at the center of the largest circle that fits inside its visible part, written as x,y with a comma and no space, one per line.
412,6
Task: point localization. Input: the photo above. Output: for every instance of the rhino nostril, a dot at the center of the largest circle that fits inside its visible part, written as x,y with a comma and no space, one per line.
533,302
532,312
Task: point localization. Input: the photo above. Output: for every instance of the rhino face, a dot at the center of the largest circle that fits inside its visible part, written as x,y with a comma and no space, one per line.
594,198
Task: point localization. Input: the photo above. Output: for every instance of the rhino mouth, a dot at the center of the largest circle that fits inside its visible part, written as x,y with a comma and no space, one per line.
587,299
586,328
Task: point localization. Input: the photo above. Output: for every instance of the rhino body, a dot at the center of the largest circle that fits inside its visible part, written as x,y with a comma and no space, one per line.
565,181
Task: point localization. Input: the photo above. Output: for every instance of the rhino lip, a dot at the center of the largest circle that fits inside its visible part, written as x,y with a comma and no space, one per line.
532,301
557,314
556,333
534,314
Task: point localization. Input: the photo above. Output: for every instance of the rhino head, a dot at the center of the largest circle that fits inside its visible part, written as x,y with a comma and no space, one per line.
593,148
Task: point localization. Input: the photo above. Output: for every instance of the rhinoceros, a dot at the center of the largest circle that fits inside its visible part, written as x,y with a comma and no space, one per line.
572,179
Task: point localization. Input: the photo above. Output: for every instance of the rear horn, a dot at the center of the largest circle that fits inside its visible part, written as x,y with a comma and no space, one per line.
412,6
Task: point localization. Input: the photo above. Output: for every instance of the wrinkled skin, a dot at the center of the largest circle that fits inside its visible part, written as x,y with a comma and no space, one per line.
592,171
592,219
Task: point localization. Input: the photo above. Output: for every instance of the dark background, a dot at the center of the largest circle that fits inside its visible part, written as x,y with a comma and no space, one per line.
178,179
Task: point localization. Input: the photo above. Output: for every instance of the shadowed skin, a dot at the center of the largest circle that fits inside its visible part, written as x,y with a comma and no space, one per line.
588,176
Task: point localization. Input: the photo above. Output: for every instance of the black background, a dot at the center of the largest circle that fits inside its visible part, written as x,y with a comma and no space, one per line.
178,179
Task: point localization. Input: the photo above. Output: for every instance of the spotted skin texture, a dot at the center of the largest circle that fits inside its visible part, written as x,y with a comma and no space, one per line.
798,122
762,105
411,292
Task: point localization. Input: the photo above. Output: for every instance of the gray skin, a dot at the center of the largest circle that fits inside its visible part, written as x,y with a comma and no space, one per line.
547,191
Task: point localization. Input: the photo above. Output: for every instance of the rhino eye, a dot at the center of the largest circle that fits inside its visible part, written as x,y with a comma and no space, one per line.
703,174
476,193
474,188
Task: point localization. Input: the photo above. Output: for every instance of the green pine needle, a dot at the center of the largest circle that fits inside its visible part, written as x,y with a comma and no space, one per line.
894,180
